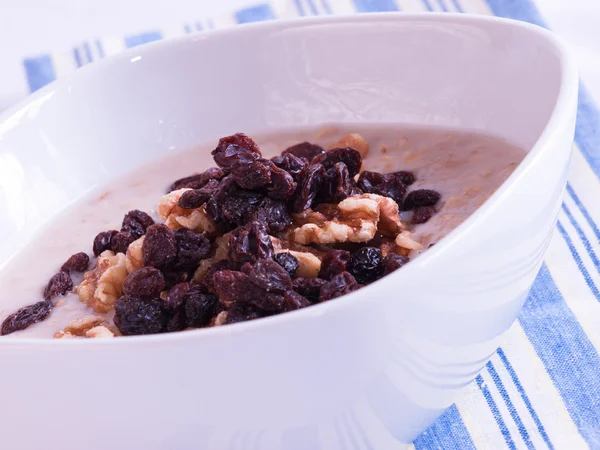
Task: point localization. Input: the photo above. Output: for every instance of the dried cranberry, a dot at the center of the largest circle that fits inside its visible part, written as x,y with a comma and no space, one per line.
195,198
291,164
421,197
387,185
366,265
308,187
308,287
274,214
25,317
59,284
241,312
135,315
282,185
294,301
341,284
268,275
192,247
333,263
236,149
160,246
102,241
198,180
422,214
405,176
253,175
288,261
136,222
120,241
144,282
200,308
304,150
249,243
347,155
392,262
232,287
78,262
337,184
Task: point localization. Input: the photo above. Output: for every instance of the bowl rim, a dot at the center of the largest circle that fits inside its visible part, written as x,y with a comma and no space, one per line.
567,91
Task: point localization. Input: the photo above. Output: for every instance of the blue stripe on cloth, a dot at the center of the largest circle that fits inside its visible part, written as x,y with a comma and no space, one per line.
77,57
88,52
496,412
442,5
142,38
99,49
584,272
312,7
375,5
448,432
457,5
428,5
582,236
326,6
509,405
525,398
583,210
299,7
39,71
255,13
572,363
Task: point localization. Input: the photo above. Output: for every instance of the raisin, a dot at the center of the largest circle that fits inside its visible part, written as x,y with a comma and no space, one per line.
333,263
249,243
294,301
304,150
392,262
337,184
366,265
282,185
232,287
421,197
102,241
341,284
175,305
274,214
291,164
241,312
160,246
144,282
347,155
234,150
254,175
25,317
214,207
207,280
136,222
78,262
174,276
387,185
239,208
308,287
268,275
199,308
135,315
308,187
59,284
192,247
288,261
120,241
422,214
198,180
195,198
405,176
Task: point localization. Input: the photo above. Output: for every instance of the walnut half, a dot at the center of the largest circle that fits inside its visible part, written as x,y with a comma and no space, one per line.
176,217
102,286
88,327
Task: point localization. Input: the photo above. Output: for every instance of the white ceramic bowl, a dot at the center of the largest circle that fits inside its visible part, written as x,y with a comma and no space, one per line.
383,362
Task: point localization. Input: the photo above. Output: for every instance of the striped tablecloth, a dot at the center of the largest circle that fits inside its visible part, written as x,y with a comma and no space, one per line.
542,388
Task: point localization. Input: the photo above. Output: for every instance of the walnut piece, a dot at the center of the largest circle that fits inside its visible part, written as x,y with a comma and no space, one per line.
354,140
405,240
356,219
88,327
102,286
309,264
134,258
176,217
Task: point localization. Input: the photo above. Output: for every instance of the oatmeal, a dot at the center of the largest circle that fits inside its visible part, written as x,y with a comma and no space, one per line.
281,223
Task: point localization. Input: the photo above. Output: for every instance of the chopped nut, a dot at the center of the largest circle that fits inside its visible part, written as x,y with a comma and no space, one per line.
309,263
102,286
176,217
88,326
99,332
406,241
354,140
219,319
134,258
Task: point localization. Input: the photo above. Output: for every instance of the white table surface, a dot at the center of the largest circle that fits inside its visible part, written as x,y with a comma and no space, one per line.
31,26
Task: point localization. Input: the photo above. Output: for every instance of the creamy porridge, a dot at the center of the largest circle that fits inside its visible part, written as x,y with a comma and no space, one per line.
333,223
